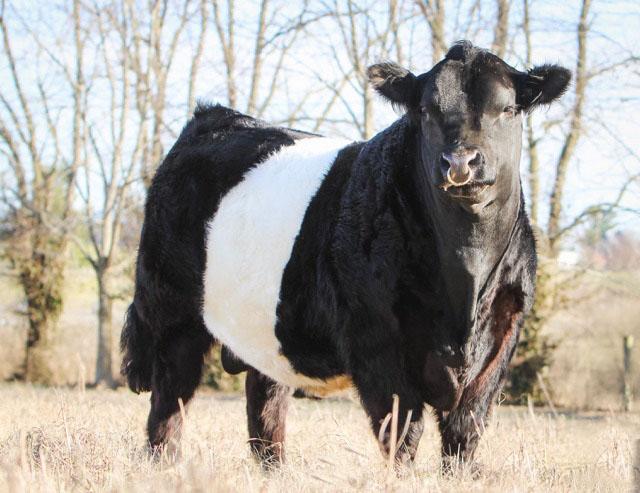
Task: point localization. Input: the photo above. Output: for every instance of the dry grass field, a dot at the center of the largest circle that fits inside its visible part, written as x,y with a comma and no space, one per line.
69,440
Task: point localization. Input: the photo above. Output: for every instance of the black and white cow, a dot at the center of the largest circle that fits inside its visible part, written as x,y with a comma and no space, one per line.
401,265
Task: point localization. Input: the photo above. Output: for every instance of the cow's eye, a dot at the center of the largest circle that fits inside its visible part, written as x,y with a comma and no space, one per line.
510,110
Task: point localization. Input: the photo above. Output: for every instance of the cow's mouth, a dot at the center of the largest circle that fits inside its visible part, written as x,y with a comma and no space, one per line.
473,190
470,190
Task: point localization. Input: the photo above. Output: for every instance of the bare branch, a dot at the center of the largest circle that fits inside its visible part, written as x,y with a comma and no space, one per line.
227,40
195,62
601,208
433,13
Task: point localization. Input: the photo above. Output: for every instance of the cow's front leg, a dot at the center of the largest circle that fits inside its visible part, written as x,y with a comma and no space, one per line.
461,430
377,375
267,403
408,433
462,427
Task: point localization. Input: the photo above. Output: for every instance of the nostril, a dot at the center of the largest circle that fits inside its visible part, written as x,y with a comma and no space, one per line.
470,158
475,159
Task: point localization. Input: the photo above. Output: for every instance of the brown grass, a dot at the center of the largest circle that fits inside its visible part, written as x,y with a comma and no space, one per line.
61,440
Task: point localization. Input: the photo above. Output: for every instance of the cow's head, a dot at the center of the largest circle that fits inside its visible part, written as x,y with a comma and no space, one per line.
468,111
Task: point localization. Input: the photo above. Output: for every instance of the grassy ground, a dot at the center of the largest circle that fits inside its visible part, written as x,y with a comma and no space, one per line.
61,440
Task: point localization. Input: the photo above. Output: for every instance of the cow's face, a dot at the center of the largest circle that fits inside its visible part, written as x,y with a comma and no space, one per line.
468,112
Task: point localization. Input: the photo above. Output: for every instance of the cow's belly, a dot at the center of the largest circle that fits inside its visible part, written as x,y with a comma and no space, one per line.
249,243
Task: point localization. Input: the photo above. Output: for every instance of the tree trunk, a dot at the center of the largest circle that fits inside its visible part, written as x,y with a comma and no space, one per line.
40,333
437,32
257,59
534,171
41,270
227,41
501,31
197,58
104,372
433,12
571,140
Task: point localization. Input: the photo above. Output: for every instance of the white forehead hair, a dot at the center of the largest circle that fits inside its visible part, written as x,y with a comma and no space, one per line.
448,84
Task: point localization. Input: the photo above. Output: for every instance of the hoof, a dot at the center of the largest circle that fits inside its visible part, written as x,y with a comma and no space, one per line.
455,466
269,455
167,452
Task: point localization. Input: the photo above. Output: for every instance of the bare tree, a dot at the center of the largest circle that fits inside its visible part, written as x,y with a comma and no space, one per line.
38,191
433,12
534,348
359,58
553,289
366,39
258,60
134,75
501,30
395,23
197,57
104,207
157,28
558,226
573,134
226,35
272,39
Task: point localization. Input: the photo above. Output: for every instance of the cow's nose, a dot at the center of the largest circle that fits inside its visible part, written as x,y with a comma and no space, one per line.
459,166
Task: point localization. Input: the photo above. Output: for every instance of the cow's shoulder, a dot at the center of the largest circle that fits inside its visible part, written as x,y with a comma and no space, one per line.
516,271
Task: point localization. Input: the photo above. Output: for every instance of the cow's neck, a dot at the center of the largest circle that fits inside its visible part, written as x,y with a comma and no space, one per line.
470,248
470,245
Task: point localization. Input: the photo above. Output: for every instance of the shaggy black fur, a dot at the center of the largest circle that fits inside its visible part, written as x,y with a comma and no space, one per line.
397,280
231,363
164,338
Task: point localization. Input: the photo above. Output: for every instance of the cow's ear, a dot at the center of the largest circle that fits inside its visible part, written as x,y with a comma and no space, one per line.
542,85
394,82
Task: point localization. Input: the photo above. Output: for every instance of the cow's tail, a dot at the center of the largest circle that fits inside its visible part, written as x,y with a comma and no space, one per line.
136,345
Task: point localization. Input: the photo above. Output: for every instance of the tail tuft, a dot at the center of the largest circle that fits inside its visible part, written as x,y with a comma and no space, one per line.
136,343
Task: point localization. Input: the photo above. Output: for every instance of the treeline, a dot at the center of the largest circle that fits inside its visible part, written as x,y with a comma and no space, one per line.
94,92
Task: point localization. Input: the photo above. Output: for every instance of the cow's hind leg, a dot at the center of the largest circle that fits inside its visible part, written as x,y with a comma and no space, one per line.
267,403
177,370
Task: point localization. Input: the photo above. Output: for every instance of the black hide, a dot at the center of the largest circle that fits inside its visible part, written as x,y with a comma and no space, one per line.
398,279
